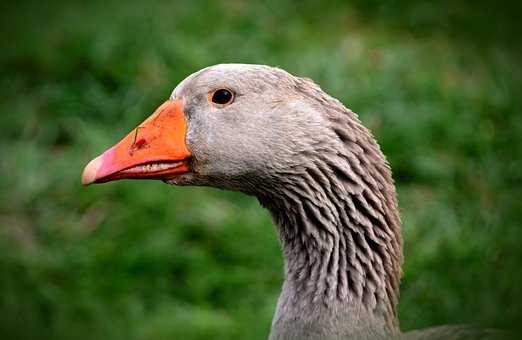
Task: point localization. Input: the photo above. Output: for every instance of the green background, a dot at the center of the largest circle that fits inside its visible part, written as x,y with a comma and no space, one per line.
439,83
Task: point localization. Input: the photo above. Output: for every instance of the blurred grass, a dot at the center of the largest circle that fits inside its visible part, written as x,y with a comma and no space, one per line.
438,84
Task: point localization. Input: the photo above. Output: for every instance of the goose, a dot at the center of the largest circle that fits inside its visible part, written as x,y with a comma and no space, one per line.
320,173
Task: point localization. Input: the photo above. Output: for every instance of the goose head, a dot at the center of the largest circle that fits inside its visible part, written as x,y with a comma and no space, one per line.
309,160
230,126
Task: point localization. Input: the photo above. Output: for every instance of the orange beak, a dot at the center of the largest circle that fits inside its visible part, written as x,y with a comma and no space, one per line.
156,149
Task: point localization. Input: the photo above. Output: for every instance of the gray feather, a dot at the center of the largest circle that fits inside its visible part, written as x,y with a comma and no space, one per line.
321,174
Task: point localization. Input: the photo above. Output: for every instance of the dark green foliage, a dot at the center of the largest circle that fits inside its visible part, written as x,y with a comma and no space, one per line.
140,260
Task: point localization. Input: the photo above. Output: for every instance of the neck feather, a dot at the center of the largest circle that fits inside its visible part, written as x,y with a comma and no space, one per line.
339,227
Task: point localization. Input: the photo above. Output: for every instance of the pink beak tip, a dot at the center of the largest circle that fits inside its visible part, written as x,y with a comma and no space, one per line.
91,170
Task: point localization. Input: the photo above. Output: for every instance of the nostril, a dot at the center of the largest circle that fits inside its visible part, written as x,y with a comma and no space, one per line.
140,143
137,145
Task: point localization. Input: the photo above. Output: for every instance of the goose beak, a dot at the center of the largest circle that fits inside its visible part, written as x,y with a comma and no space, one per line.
156,149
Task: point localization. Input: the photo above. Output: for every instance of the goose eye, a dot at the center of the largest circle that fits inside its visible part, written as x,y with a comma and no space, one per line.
222,96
